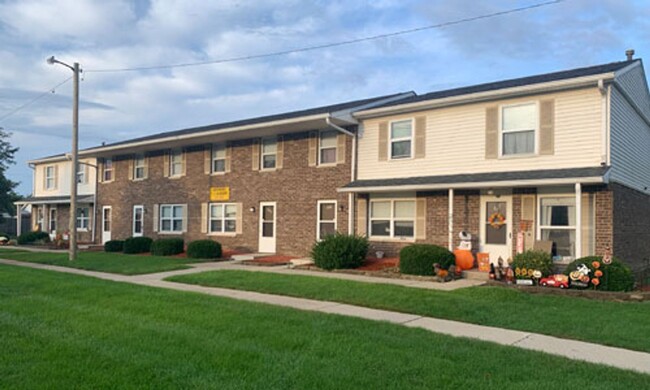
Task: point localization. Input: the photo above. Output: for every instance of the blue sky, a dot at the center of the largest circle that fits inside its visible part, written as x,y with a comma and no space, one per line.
117,34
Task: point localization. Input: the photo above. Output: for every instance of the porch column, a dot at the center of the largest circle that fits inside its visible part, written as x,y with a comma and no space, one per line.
46,218
451,219
578,220
350,213
19,219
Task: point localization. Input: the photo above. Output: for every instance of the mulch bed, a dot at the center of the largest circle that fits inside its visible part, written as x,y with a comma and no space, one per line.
636,296
375,264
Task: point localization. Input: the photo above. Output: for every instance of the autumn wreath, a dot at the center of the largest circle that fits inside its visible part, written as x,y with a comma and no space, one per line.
496,220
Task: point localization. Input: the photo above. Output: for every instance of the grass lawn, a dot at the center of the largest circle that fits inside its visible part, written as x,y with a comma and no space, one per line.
618,324
117,263
69,331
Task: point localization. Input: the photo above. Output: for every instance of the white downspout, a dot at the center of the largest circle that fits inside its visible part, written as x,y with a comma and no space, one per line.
578,253
604,155
451,219
353,172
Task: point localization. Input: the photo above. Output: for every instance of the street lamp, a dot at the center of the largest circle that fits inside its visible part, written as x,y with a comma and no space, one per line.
72,254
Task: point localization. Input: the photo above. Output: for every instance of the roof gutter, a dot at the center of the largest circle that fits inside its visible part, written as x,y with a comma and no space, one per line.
328,120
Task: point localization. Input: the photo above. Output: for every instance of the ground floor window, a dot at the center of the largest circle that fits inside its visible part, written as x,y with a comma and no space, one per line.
39,218
326,218
223,218
171,218
392,218
138,215
83,218
558,224
52,220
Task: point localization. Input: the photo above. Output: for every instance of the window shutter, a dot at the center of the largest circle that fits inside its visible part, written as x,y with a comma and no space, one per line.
100,171
383,141
146,166
207,159
185,218
547,127
340,148
491,132
204,217
131,166
56,177
255,155
183,162
362,217
44,178
528,214
420,136
240,218
313,148
166,163
156,209
228,157
280,152
421,218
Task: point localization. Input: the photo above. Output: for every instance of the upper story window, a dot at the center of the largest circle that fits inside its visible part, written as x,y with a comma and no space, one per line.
81,173
176,162
218,158
401,139
269,153
139,169
392,218
327,147
518,127
50,177
107,175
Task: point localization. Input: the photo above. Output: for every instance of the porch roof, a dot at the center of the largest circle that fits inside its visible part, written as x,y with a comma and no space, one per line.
36,200
589,175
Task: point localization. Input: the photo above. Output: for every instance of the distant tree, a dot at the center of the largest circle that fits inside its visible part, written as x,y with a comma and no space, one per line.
7,187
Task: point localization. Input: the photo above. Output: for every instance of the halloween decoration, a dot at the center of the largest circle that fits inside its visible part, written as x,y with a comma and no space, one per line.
558,280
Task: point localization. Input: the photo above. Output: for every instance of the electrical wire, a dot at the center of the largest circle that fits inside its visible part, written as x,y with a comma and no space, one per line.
329,45
34,100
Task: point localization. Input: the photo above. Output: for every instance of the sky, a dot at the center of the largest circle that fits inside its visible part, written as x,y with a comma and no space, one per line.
115,34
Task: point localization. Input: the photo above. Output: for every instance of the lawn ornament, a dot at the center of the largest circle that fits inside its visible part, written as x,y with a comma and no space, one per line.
558,280
442,275
580,273
465,241
492,274
510,275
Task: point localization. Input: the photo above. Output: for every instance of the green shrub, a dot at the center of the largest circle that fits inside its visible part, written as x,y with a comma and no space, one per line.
137,245
338,251
32,237
616,276
532,260
204,249
167,246
418,259
5,235
114,246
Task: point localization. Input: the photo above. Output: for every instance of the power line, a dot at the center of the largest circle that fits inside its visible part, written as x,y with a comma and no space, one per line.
49,91
329,45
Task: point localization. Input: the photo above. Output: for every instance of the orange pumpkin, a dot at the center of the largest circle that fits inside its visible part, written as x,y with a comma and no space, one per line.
595,281
464,259
443,273
595,264
598,273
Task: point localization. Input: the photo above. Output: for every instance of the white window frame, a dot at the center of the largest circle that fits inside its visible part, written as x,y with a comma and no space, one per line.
392,219
262,154
83,222
81,173
502,131
50,177
541,227
40,215
214,158
223,218
391,140
139,158
321,148
106,168
171,219
319,220
50,219
176,153
141,233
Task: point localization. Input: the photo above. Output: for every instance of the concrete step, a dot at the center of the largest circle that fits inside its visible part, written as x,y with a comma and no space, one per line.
475,274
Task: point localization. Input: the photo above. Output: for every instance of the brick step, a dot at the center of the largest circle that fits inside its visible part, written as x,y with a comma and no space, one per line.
475,274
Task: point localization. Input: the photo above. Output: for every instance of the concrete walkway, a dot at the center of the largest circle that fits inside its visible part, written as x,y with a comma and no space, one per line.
578,350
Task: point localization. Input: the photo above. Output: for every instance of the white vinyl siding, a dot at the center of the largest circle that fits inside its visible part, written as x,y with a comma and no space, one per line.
172,218
518,129
50,177
401,139
392,218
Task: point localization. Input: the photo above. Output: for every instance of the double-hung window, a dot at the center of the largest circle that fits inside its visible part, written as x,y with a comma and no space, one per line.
107,175
401,139
269,152
518,128
327,147
171,218
83,218
138,217
223,218
176,162
52,220
558,224
392,218
218,158
81,173
39,218
326,218
139,171
50,177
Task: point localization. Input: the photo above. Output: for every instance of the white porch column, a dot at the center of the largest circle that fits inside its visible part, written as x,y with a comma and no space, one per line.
19,219
578,220
350,213
451,219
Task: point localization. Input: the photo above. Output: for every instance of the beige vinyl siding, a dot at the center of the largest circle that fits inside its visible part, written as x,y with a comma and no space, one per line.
455,139
62,187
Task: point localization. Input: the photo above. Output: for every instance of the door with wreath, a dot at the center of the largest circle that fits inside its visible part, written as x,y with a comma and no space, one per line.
496,227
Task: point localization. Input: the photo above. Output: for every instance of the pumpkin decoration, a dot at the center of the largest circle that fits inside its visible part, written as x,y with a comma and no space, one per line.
595,264
584,278
598,273
464,259
443,273
595,281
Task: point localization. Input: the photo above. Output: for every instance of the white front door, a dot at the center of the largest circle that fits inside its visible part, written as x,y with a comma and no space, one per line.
496,227
267,227
138,219
107,222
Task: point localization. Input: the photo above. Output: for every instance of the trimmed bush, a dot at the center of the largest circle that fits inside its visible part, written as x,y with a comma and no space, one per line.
338,251
418,259
525,263
32,237
204,249
616,276
114,246
167,246
137,245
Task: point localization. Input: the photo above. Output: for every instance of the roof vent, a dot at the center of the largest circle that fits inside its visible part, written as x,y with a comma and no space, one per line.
630,54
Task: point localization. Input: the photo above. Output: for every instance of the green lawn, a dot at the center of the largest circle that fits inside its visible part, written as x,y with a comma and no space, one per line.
618,324
68,331
117,263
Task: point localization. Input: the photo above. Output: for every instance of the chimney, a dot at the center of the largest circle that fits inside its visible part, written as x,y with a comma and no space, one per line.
630,54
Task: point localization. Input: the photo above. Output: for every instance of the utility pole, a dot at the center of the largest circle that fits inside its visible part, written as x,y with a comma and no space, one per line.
72,253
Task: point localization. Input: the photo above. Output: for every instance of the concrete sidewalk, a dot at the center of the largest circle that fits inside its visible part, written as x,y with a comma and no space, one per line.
578,350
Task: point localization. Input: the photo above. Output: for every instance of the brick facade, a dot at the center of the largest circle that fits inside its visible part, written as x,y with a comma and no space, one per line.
631,227
63,221
296,187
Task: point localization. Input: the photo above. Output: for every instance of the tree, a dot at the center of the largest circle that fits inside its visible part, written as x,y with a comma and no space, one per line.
7,193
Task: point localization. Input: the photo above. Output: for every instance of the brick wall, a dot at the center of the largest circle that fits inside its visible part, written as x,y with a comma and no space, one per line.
631,226
63,221
296,188
604,218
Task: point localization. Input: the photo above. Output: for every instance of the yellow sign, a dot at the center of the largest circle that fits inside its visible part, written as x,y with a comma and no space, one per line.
219,193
